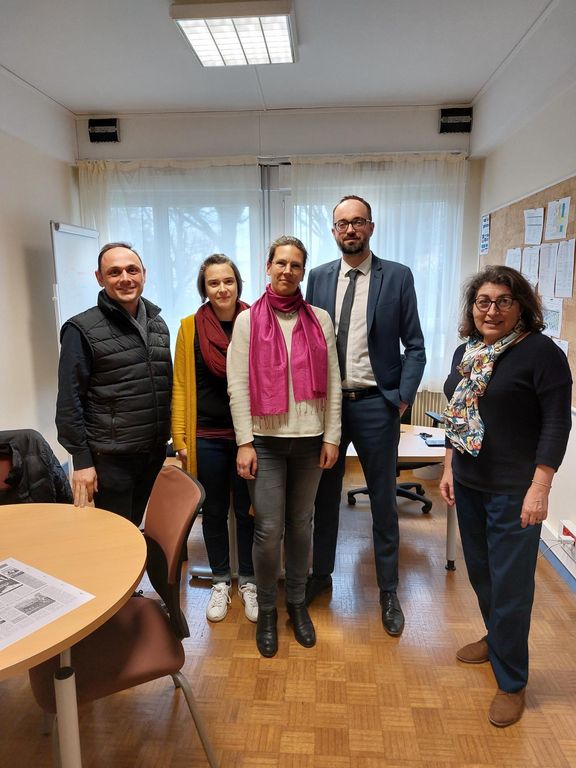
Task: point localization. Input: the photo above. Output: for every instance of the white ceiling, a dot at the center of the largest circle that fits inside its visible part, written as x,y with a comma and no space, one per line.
128,56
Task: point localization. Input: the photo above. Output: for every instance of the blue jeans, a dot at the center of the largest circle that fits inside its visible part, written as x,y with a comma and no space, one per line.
373,426
283,498
216,460
501,559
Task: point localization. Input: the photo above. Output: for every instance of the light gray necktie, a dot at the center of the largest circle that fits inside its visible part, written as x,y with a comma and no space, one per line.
344,322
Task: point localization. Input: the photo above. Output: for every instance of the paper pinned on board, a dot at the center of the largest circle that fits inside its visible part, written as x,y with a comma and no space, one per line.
514,258
530,263
485,234
552,316
557,219
565,269
533,226
547,269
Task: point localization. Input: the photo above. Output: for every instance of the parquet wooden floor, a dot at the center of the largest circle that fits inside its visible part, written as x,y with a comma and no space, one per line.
359,699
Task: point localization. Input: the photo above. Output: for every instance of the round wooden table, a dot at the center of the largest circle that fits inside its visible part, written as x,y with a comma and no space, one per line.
90,548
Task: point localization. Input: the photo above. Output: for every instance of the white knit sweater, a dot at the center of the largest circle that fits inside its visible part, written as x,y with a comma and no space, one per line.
303,419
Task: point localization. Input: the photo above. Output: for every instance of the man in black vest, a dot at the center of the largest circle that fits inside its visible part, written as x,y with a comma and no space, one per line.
114,389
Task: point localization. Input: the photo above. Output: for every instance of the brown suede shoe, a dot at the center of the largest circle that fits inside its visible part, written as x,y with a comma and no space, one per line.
473,653
506,708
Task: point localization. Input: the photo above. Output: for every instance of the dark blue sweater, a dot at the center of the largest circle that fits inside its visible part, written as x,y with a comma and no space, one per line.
526,415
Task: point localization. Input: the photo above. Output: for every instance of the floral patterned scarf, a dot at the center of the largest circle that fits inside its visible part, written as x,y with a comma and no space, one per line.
464,426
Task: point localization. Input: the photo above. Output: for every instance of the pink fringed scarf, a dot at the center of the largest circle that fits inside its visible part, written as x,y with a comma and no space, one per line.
268,374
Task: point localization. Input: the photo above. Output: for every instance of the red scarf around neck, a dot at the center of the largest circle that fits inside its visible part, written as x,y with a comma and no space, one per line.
212,338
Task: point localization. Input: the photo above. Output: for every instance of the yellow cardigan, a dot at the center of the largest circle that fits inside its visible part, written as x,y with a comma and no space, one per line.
184,415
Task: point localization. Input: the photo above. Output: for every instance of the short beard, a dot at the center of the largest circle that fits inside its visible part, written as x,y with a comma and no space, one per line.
356,246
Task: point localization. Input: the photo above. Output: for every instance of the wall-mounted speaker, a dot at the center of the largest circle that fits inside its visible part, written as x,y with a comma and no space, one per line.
103,129
456,120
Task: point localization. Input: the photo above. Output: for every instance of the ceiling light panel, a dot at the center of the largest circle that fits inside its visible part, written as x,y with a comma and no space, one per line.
237,40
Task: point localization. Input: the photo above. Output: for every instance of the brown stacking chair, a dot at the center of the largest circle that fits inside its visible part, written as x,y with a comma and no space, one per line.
143,640
5,467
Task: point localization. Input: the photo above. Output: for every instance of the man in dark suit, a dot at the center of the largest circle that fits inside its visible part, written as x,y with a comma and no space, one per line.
373,305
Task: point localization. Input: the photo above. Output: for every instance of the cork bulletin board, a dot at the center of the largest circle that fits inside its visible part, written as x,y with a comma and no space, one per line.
507,231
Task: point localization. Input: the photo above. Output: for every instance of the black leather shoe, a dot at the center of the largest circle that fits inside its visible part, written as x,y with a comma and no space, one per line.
392,616
316,585
302,624
267,632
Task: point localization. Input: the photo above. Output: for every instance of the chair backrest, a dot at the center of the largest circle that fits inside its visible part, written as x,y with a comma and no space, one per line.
174,503
5,467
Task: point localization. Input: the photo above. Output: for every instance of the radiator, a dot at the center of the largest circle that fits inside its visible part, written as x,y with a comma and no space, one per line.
427,401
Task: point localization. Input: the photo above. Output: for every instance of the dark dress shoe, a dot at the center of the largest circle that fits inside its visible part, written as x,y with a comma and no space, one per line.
392,616
302,624
316,585
267,632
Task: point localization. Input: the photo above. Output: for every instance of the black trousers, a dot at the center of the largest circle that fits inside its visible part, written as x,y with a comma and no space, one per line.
373,426
125,481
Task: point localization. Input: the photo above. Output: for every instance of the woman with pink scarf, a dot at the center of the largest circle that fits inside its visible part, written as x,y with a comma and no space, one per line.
285,397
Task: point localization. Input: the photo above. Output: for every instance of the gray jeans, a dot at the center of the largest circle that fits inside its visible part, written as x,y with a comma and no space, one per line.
283,496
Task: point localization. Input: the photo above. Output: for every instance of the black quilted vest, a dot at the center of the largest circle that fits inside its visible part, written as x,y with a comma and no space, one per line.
127,408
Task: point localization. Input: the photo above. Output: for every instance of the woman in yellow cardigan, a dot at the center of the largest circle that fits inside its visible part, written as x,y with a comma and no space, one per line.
203,434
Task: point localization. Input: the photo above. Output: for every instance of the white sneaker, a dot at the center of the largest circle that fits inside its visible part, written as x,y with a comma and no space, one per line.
247,594
217,607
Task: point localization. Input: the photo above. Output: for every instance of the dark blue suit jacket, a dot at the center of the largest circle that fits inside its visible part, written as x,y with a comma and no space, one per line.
392,316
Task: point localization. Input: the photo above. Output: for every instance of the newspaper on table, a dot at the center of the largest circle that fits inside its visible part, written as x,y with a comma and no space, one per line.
30,599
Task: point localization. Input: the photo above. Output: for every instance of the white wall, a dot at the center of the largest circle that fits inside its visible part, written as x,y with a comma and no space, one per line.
274,134
538,155
538,71
34,188
36,119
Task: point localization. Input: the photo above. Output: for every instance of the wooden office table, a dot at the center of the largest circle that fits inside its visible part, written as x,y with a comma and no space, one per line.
413,449
89,548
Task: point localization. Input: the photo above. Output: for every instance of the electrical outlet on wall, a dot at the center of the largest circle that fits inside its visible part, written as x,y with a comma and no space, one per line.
567,537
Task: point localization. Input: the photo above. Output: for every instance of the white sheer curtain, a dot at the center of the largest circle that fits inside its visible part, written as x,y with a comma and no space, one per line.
417,206
175,213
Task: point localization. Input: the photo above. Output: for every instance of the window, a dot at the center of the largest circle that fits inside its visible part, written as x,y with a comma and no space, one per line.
175,218
175,213
417,206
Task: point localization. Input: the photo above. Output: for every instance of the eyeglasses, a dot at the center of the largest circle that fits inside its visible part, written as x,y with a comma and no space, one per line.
503,303
343,224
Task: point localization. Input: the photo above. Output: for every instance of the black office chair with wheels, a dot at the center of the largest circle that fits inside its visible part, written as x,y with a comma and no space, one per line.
414,491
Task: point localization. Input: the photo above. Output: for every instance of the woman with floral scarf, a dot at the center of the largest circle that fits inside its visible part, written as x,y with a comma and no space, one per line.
507,426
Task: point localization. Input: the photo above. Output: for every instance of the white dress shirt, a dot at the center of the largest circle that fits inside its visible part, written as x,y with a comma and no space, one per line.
358,369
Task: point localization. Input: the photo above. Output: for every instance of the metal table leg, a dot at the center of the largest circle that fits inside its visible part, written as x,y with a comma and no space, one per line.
67,712
450,538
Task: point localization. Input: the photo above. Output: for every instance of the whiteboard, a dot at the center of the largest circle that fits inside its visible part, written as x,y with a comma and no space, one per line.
75,251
